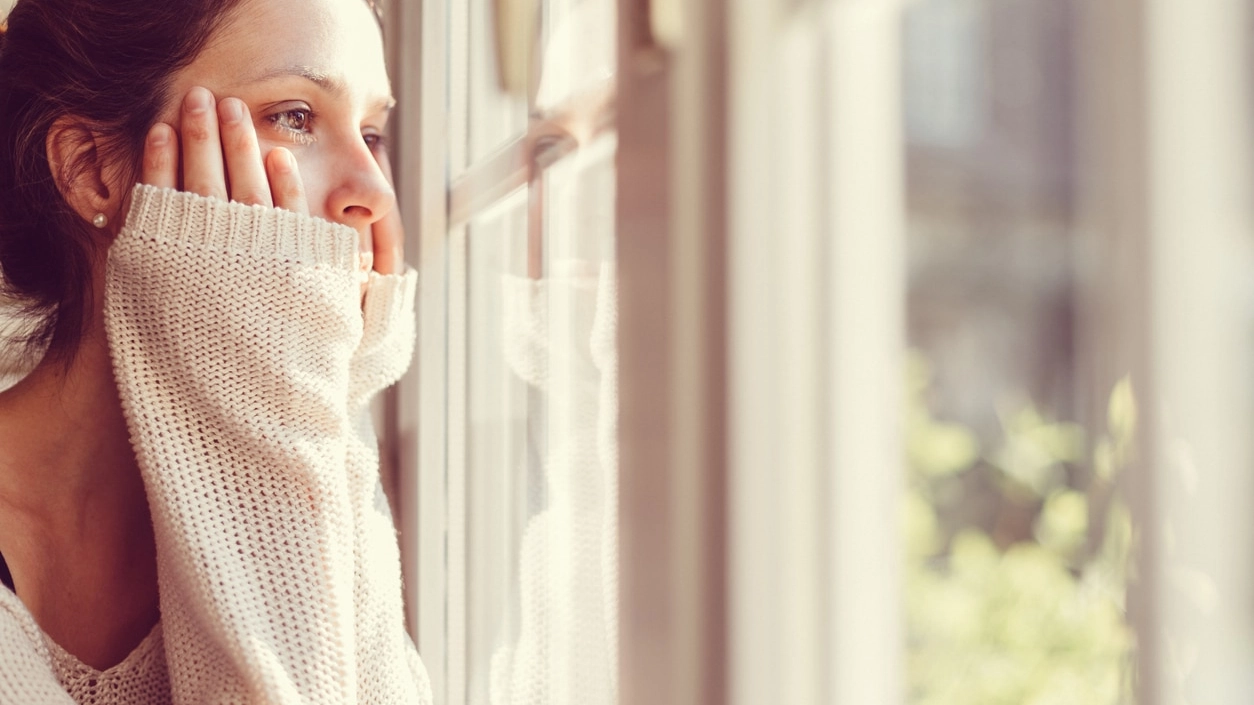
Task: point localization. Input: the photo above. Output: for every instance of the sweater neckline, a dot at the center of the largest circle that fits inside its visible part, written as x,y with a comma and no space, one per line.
68,667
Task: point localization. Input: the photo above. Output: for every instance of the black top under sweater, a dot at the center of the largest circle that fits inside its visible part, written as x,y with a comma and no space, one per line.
5,577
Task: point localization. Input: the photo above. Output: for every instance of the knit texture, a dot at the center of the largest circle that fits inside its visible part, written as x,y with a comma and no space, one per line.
246,361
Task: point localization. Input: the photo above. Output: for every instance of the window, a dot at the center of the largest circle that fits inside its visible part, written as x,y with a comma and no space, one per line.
986,261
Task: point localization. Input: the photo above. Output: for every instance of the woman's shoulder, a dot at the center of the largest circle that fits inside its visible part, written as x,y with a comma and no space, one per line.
26,669
34,669
16,624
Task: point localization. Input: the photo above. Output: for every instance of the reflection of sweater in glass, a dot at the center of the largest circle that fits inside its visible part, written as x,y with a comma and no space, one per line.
246,367
560,338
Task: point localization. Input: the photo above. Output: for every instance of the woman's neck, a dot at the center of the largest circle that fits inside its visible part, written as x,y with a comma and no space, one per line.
74,522
63,436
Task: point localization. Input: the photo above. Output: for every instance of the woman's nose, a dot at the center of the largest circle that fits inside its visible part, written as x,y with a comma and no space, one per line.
362,195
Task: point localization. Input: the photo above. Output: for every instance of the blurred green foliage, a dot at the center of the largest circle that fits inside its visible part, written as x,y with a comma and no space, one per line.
1017,558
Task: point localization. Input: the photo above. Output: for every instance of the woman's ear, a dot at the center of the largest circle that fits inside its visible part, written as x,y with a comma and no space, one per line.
86,183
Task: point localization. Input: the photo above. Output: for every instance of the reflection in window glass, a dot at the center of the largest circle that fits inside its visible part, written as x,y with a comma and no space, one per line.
543,456
541,537
499,463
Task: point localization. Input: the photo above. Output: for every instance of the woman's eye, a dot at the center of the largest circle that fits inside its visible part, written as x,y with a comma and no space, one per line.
294,123
375,142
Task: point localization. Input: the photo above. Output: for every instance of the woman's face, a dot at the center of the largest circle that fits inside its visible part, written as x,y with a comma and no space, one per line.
313,76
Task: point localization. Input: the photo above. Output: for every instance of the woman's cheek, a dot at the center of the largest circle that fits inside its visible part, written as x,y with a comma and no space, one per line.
315,176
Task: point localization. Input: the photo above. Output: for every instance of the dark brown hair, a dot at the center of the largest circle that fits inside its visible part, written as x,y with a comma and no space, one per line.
107,65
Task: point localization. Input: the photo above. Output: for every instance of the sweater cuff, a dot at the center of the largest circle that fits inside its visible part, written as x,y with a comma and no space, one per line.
389,299
178,217
387,342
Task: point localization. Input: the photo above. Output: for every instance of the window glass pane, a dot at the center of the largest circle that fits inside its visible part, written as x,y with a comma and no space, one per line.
541,382
495,117
498,464
579,190
580,46
542,442
1018,543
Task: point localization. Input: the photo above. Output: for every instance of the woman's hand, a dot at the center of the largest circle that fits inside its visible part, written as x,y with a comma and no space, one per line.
388,235
219,147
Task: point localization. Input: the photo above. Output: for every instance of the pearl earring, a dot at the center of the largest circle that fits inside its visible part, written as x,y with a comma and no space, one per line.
100,220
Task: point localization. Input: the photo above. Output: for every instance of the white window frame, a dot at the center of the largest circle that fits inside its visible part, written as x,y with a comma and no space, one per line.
741,585
415,438
1168,117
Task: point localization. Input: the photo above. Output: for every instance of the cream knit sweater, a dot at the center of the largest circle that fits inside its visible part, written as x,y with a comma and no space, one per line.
246,361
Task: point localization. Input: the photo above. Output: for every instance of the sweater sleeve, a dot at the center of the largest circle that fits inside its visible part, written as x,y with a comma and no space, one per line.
389,669
237,340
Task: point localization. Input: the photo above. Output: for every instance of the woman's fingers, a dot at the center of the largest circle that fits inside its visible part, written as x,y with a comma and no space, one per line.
161,158
218,139
247,175
365,251
365,248
203,170
285,183
388,234
389,243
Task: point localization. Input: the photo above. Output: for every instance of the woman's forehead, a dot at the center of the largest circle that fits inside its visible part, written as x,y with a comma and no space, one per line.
338,40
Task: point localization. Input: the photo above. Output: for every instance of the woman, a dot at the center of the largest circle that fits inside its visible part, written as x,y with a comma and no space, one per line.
189,495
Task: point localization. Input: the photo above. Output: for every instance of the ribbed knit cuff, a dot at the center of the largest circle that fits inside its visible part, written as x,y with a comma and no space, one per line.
387,342
389,298
179,217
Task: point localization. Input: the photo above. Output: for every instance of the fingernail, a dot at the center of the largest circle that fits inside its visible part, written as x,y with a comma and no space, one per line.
284,163
198,100
158,136
232,110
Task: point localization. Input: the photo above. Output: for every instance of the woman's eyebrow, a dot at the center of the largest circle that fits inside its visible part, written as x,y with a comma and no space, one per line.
321,78
331,84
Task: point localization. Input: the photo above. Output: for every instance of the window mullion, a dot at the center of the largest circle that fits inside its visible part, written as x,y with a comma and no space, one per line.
420,74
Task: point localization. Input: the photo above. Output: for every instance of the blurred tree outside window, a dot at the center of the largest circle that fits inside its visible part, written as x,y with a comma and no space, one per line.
1017,545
